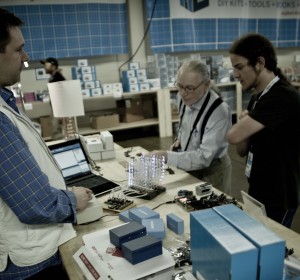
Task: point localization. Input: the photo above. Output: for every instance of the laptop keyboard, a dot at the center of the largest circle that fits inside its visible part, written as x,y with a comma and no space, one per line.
98,184
89,182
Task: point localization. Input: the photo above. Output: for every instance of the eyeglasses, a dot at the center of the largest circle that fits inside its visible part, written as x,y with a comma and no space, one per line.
187,89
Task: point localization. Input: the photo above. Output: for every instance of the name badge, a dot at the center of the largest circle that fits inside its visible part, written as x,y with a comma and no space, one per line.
249,164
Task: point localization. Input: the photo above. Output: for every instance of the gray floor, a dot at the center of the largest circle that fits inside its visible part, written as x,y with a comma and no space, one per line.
238,179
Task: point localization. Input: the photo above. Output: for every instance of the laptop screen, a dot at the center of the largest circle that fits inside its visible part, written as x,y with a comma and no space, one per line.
71,159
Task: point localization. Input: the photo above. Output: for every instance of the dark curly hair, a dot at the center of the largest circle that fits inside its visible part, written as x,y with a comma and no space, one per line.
252,46
7,20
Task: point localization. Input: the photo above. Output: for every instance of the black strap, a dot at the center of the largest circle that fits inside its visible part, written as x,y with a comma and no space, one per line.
182,113
198,118
213,106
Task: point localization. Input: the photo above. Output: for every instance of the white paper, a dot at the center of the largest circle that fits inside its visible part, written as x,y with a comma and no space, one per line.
66,98
110,261
88,265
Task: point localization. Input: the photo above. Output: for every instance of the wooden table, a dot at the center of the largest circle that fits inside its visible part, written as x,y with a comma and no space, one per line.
114,170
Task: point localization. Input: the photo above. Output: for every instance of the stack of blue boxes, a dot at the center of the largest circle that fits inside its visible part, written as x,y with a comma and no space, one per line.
135,79
148,218
87,75
139,249
226,243
135,240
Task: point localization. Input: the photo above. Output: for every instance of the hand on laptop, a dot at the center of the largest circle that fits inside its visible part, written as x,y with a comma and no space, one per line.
83,196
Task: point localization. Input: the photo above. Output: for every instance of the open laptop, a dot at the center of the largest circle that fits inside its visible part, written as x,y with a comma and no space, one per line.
74,164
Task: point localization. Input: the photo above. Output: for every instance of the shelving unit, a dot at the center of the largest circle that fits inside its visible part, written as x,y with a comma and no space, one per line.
94,105
166,114
122,126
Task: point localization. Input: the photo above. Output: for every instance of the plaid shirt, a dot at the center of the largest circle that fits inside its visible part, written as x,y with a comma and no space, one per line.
26,189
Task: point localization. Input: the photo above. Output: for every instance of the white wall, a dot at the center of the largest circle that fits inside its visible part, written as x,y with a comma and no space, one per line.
107,67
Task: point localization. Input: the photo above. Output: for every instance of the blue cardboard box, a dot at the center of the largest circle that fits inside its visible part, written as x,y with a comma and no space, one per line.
125,233
143,212
218,250
175,223
271,247
155,227
124,216
141,249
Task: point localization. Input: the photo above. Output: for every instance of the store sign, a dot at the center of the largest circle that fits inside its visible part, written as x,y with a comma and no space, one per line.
234,8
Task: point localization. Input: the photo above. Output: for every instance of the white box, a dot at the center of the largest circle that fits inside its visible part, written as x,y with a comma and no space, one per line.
94,143
140,72
107,86
108,91
107,139
96,91
96,155
134,88
108,154
134,65
117,92
154,83
88,84
82,62
142,79
86,93
117,86
87,69
98,83
144,86
132,80
89,77
128,74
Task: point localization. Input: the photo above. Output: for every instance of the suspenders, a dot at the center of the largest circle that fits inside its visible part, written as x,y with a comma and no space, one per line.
215,104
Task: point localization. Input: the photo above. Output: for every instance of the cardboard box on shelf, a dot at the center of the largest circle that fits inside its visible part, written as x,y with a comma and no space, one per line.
130,110
149,106
104,121
136,109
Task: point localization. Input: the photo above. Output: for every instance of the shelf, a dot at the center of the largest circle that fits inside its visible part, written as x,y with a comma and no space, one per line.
122,126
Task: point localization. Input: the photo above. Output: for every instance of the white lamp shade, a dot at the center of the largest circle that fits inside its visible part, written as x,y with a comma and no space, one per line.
66,98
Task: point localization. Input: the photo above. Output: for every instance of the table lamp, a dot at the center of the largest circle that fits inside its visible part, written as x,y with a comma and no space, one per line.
67,103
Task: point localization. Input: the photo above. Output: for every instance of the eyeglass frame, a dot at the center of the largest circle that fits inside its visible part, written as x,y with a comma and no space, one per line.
186,90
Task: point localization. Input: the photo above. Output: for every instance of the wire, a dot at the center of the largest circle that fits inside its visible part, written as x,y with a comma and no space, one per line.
143,39
167,202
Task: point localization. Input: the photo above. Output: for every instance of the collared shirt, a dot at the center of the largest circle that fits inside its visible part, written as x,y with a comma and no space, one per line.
20,180
214,144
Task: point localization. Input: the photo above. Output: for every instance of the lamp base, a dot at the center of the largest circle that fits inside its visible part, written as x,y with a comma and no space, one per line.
69,128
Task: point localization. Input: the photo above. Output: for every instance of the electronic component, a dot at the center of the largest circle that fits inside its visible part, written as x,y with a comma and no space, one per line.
203,189
185,193
144,192
184,198
190,202
118,202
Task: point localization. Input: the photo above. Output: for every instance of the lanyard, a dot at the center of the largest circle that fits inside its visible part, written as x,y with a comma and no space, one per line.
268,87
